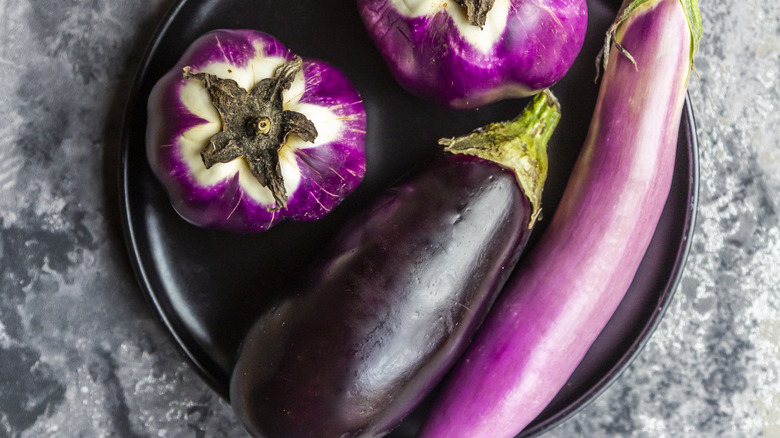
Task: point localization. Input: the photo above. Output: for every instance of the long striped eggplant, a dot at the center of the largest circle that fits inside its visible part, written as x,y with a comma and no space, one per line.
373,328
571,282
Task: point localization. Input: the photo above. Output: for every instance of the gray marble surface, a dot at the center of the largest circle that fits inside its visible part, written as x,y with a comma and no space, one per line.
82,356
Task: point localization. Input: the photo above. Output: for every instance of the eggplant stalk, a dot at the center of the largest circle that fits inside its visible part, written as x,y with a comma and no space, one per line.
520,144
692,14
255,125
476,10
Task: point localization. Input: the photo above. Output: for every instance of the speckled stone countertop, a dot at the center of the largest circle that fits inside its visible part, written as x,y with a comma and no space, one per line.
81,354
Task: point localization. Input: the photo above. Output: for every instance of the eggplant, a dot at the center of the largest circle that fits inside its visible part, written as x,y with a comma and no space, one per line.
370,330
243,133
573,279
469,53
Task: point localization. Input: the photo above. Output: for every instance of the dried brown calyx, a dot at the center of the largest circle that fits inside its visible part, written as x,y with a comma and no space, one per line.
476,10
254,124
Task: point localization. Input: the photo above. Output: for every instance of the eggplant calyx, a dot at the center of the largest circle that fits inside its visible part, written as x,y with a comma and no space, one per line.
476,10
519,145
255,125
692,15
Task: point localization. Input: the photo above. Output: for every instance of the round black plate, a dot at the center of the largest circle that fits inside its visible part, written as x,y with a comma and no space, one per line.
207,286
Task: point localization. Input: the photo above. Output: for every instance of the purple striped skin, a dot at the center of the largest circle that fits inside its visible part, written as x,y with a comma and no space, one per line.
329,172
429,57
573,279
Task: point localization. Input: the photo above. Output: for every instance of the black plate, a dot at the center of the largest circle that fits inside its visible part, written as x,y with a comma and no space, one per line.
208,286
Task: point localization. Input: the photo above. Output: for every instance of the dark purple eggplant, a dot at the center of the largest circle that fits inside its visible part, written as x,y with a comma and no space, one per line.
370,331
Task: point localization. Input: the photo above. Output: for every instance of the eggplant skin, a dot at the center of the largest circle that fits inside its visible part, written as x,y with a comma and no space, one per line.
432,51
380,321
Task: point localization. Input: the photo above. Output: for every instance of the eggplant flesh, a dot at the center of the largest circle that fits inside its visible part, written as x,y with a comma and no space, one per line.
375,326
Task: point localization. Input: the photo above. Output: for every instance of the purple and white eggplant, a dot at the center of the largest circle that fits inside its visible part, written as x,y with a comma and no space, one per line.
468,53
243,133
370,331
572,281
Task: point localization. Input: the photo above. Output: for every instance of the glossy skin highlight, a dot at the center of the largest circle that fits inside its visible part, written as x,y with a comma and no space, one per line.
432,51
572,281
181,119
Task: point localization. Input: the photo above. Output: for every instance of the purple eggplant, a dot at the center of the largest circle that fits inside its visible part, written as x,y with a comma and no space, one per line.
468,53
570,284
243,133
372,329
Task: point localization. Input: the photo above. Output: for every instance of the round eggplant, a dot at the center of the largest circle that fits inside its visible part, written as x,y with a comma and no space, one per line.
468,53
243,133
373,328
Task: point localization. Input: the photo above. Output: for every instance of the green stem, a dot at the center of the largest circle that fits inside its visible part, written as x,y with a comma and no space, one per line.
692,15
255,124
519,145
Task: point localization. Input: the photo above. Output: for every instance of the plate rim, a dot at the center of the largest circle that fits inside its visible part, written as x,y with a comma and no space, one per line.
209,376
214,378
